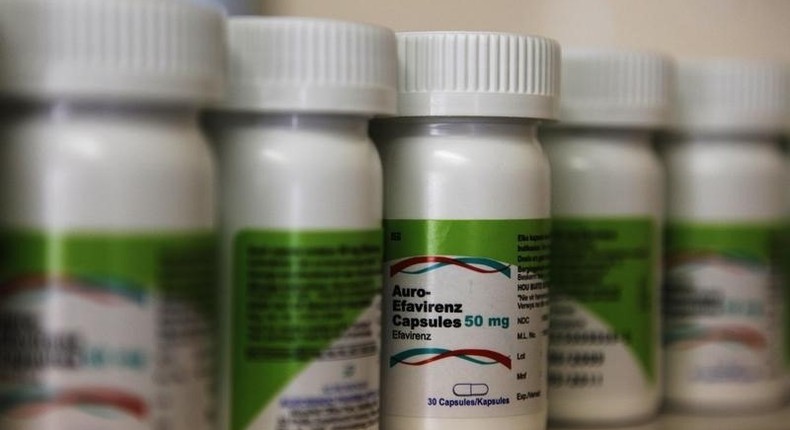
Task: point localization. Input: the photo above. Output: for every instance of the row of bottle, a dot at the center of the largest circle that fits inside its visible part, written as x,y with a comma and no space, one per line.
107,296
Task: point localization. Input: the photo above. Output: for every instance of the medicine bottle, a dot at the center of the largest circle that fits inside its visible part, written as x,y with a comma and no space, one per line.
607,211
726,191
301,219
465,302
107,288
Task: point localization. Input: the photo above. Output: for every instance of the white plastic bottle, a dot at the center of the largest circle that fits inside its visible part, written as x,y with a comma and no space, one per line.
301,220
726,187
107,214
465,302
607,211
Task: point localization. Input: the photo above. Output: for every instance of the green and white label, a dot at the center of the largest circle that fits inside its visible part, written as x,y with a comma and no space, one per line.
723,304
604,324
110,331
306,327
465,318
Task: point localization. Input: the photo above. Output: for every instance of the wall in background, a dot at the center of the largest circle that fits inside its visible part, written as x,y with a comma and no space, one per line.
709,28
238,7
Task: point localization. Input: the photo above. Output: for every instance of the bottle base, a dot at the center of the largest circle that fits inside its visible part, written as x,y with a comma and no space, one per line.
603,410
536,421
728,399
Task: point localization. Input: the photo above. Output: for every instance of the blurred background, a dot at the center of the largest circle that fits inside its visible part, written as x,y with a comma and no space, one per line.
683,28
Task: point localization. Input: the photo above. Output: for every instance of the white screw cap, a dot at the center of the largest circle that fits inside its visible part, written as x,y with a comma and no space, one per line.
478,74
731,96
149,50
602,88
311,65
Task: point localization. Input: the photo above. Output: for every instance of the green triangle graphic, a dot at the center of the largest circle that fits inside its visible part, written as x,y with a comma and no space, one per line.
608,267
294,294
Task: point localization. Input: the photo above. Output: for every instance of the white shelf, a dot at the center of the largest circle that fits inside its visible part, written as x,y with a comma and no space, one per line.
778,420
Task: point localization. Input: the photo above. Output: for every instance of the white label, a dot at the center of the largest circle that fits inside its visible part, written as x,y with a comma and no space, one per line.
97,360
722,324
331,392
468,334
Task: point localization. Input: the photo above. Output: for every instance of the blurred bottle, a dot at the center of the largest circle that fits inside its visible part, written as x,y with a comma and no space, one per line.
301,221
107,287
726,192
607,216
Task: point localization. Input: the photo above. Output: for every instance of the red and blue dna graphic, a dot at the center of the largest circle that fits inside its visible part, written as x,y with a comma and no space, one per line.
692,336
428,263
482,357
26,404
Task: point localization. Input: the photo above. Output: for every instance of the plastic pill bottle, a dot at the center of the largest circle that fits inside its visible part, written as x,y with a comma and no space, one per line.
301,220
607,209
465,302
726,191
107,288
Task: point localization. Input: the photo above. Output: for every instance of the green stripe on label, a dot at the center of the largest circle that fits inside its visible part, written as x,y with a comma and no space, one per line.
406,238
294,293
609,267
746,243
135,263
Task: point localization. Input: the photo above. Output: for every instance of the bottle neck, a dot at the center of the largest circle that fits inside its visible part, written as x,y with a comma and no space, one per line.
349,125
597,136
485,127
102,112
723,141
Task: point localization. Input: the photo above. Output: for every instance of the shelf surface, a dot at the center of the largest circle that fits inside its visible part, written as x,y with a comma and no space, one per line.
777,420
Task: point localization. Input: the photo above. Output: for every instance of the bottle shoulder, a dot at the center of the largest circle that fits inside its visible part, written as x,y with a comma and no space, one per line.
720,159
116,141
465,178
452,153
105,174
